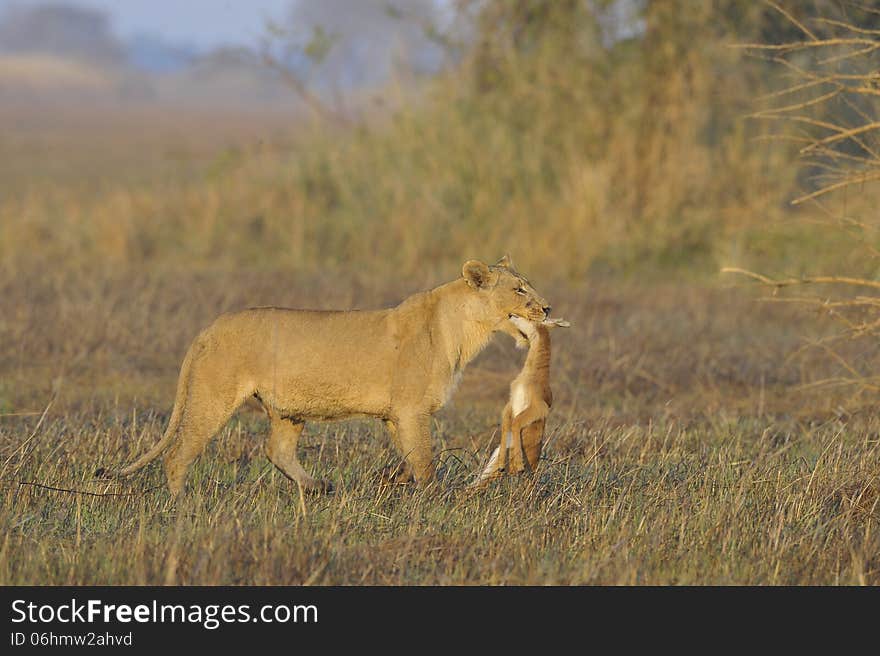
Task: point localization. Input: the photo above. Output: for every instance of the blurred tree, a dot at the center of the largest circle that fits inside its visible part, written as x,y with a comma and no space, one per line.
655,78
326,48
509,33
365,38
60,30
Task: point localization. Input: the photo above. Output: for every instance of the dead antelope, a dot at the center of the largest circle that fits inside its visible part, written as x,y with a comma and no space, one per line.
523,418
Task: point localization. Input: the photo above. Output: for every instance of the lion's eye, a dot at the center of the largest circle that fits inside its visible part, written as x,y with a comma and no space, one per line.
520,291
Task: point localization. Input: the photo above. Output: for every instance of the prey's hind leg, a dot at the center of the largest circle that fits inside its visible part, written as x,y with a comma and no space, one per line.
501,464
533,442
498,460
523,423
281,450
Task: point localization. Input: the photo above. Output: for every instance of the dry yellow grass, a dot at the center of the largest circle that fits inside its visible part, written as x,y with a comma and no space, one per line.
679,451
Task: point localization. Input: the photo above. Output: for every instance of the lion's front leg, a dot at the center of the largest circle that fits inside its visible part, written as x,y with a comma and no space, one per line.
414,438
400,473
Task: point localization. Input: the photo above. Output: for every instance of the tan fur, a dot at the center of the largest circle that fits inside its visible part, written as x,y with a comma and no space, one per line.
524,416
396,364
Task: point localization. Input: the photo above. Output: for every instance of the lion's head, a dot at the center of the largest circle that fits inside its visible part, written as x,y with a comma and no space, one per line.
505,293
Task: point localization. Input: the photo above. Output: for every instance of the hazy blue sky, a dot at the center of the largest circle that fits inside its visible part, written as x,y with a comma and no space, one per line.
203,23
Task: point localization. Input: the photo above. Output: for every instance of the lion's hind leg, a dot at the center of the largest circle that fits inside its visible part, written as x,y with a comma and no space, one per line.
281,451
206,410
193,436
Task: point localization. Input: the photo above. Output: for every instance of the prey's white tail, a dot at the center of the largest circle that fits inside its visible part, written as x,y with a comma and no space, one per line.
491,468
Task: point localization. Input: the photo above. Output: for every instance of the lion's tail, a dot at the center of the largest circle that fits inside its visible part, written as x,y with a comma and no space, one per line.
170,431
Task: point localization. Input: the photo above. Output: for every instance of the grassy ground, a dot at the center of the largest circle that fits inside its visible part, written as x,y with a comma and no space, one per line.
681,451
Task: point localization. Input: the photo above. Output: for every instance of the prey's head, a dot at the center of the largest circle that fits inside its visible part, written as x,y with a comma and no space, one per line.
523,331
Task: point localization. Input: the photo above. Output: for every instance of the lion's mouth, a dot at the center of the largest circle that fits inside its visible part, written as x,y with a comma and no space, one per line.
538,318
546,320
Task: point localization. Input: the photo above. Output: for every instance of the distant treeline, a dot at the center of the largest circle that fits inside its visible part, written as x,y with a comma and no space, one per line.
580,136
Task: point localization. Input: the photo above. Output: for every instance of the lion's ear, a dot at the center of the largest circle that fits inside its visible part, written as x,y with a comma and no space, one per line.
475,273
505,262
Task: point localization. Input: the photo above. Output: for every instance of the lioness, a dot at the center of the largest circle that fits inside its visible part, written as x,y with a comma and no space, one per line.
399,364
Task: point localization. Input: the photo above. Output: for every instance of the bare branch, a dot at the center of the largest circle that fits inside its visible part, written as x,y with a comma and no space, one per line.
854,180
804,45
802,105
846,26
795,88
801,119
849,55
808,280
302,90
791,18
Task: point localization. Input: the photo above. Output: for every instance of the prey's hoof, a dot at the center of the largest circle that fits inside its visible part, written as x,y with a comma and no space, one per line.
485,480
